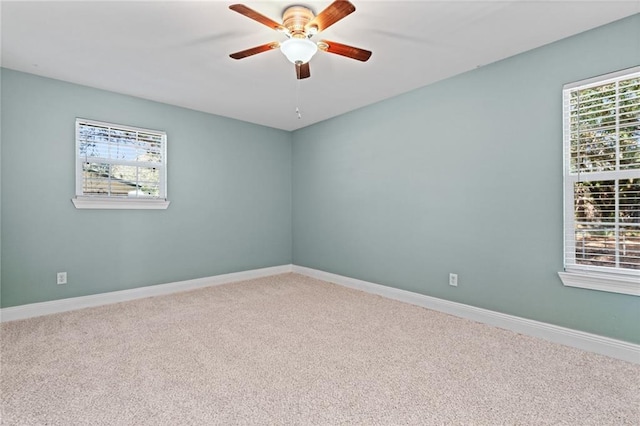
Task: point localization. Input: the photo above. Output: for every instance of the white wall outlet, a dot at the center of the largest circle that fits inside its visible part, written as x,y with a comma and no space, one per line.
453,280
62,277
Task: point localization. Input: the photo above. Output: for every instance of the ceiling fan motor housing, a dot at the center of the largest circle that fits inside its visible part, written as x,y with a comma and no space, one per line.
295,19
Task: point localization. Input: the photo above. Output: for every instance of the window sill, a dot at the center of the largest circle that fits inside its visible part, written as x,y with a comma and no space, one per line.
613,284
119,204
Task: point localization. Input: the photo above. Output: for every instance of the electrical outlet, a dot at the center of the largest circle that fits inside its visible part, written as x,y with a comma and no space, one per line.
62,277
453,280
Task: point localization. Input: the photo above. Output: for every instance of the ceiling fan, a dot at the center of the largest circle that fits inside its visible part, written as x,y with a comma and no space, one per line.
299,24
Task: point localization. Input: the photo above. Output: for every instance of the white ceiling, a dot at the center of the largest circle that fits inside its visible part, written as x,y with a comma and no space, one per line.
178,52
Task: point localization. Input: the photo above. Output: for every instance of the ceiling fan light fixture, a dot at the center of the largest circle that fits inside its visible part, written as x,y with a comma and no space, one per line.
298,50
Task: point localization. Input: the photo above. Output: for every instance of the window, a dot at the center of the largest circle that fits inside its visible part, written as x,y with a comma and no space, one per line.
602,183
120,167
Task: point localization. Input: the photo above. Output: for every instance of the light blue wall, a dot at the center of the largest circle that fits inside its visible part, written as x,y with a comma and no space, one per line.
229,184
461,176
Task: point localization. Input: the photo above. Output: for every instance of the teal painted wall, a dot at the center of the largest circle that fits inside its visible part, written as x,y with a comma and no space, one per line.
229,184
461,176
399,193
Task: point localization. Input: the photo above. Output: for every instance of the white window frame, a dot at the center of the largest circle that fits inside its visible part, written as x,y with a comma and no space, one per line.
82,201
592,277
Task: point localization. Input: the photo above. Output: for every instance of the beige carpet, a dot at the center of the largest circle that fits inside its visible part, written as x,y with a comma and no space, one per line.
293,350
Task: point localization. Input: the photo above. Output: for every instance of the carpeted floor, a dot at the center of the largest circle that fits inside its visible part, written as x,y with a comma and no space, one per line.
293,350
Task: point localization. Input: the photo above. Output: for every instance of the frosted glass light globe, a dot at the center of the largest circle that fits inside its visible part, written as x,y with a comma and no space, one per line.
298,50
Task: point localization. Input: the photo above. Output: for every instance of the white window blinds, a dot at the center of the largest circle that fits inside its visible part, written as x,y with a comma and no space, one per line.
602,174
119,162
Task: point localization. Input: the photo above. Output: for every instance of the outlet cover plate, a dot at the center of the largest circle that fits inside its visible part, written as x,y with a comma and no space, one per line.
453,280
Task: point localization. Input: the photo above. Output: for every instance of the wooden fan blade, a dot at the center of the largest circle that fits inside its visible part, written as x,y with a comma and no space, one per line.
303,71
256,16
344,50
255,50
332,14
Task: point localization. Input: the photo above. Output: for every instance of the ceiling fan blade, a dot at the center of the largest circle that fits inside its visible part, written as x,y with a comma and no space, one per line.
303,71
256,16
255,50
344,50
332,14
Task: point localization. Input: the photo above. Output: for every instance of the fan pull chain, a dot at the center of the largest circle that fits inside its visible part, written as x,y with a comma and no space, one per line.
298,113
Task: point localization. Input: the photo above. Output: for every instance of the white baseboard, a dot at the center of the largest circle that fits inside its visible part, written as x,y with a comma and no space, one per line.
71,304
586,341
578,339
